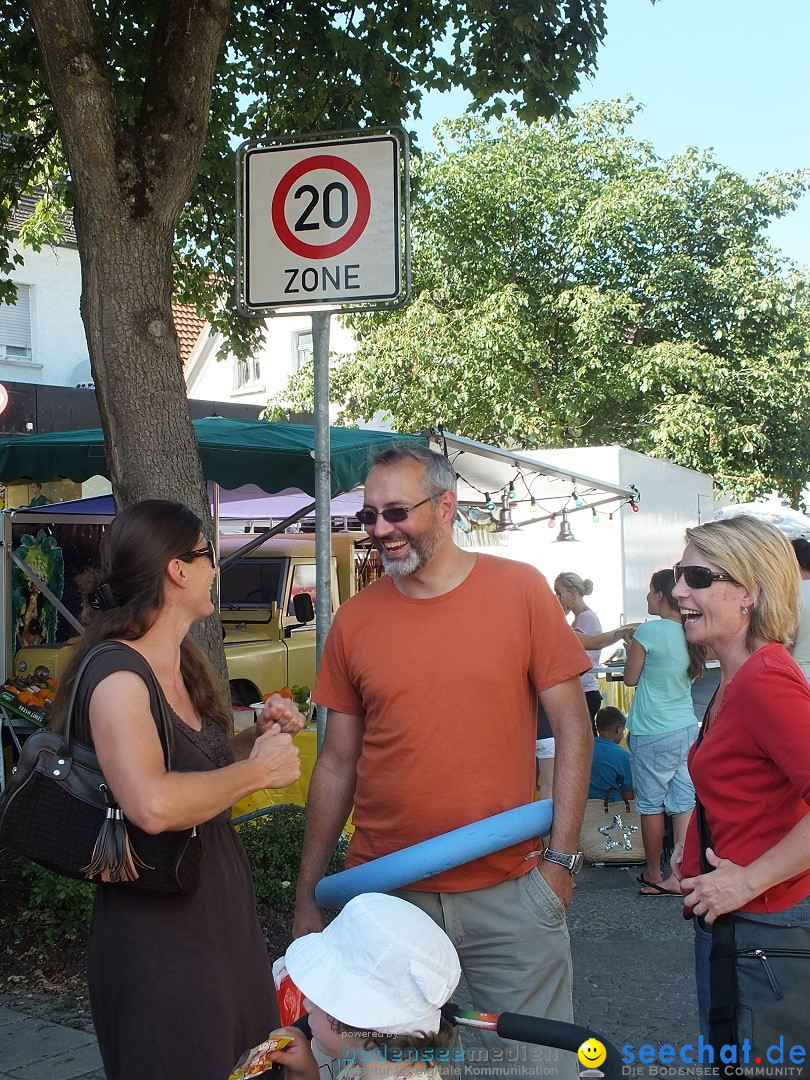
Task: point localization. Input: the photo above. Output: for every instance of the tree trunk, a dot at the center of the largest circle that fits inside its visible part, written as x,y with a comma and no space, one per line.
131,180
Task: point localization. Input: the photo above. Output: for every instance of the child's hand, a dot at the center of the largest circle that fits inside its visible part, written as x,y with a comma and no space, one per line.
296,1057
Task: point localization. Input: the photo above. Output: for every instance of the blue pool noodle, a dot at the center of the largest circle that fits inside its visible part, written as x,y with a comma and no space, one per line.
436,855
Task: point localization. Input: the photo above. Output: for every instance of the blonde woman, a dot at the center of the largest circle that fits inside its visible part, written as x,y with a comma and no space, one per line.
738,589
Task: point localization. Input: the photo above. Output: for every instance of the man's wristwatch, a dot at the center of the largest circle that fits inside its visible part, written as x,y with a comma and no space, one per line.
572,863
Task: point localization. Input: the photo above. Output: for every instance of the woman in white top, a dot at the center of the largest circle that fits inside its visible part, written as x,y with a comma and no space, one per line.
801,650
571,591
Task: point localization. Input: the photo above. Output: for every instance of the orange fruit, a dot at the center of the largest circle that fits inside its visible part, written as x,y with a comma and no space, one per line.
285,691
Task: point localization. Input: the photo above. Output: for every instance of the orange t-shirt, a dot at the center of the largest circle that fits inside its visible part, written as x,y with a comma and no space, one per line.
448,690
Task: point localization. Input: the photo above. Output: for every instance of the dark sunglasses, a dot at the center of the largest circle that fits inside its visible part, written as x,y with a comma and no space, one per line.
700,577
198,553
393,514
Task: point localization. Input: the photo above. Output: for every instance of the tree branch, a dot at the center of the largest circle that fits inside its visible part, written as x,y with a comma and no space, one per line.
173,121
80,91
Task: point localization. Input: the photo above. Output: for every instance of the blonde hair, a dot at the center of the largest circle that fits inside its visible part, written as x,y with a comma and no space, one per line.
574,581
759,557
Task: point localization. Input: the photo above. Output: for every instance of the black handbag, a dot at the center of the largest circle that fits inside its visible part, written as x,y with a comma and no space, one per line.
59,811
758,975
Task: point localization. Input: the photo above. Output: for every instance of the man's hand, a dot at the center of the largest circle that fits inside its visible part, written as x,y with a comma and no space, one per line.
308,917
280,710
559,880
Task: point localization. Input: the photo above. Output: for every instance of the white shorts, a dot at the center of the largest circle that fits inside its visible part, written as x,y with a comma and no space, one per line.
545,748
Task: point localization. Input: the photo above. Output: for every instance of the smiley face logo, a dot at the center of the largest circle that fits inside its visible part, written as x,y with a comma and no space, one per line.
592,1054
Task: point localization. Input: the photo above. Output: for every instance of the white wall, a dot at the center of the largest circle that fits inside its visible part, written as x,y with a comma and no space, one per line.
58,346
619,556
212,379
672,498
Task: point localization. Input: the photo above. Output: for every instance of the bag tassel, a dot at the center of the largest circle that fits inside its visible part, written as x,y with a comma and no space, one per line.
114,859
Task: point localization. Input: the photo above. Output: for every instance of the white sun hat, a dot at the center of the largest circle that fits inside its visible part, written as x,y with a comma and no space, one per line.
381,965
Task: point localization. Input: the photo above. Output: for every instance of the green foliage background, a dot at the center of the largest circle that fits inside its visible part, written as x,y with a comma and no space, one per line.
273,845
315,65
572,287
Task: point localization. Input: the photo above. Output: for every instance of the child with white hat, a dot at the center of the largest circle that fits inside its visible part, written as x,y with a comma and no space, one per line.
374,981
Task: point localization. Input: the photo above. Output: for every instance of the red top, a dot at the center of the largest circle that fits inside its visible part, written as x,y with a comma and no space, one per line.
447,687
752,770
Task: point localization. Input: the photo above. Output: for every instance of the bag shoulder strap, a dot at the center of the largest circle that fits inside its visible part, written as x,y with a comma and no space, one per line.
704,835
163,720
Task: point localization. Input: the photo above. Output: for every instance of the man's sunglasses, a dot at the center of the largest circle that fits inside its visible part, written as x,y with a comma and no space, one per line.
198,553
393,514
700,577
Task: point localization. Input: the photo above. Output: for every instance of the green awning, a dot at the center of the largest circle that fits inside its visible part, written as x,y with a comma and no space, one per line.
233,453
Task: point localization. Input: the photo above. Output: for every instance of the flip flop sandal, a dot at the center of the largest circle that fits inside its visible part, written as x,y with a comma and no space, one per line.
657,889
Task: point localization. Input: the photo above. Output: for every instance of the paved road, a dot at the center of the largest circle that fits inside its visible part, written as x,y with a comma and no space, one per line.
632,983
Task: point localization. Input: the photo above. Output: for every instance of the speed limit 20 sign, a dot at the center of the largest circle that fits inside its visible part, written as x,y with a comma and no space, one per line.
321,223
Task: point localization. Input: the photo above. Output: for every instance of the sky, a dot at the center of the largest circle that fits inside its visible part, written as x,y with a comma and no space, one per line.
728,74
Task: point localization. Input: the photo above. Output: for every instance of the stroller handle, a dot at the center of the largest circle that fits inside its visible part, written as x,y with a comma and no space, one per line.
533,1029
529,1029
556,1033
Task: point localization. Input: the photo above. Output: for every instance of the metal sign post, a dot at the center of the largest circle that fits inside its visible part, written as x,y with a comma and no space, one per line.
322,227
323,497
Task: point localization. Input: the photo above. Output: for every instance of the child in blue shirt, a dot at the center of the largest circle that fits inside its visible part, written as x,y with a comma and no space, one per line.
610,767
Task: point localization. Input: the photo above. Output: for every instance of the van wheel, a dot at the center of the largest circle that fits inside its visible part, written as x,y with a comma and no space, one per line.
244,692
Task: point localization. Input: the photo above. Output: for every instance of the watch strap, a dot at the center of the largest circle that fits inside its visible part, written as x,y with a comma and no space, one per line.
571,860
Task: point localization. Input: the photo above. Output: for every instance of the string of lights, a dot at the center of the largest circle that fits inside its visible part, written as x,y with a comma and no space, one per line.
498,503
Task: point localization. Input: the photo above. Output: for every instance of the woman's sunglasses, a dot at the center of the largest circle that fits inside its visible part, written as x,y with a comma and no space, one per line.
700,577
393,515
198,553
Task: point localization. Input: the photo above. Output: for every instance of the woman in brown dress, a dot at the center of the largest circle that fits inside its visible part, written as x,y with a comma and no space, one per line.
180,986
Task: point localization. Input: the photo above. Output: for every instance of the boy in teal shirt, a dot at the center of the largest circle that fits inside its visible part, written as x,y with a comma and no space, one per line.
610,767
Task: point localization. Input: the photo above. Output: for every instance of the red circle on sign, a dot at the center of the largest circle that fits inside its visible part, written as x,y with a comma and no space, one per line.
351,236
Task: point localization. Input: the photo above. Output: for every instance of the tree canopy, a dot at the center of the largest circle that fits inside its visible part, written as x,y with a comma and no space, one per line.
269,69
572,287
129,111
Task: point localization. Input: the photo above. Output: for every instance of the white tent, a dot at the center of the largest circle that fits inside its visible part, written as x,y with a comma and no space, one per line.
788,521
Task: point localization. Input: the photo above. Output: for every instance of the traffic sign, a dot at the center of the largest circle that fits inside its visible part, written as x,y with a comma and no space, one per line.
321,223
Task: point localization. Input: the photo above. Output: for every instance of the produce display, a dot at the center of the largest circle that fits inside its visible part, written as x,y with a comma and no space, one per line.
29,697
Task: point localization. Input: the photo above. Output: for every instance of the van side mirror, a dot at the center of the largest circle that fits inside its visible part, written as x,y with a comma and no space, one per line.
303,607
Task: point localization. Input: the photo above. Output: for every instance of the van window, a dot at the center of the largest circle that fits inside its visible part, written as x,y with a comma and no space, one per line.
252,583
303,580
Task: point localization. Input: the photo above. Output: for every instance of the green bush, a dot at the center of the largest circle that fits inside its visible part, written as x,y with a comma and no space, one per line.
273,845
60,904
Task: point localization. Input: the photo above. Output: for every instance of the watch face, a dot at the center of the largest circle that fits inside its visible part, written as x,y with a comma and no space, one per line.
578,861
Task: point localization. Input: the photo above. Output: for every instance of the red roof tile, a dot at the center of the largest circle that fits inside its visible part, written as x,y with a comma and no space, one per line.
189,326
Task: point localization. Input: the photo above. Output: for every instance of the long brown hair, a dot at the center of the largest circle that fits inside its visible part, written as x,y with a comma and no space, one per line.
663,581
135,552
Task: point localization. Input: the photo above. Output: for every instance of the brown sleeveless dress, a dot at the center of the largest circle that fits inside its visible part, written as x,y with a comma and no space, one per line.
180,986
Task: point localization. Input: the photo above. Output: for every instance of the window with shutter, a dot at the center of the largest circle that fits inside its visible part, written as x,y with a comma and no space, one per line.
246,373
15,326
